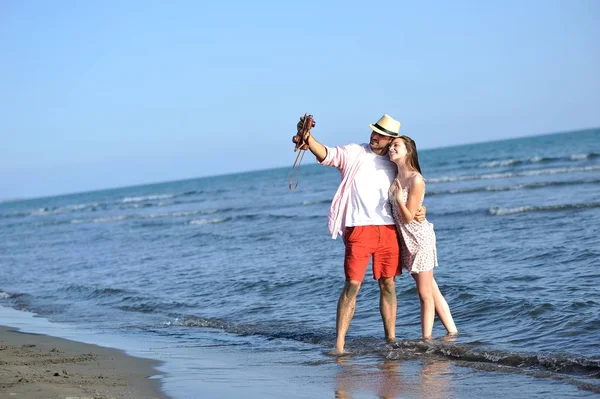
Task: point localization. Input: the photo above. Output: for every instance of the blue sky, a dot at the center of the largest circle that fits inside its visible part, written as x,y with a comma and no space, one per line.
100,94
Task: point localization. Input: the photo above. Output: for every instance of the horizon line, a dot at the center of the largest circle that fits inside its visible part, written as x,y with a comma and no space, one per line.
19,199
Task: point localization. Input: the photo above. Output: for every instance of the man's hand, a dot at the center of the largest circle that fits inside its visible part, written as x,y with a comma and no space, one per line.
297,139
420,216
303,127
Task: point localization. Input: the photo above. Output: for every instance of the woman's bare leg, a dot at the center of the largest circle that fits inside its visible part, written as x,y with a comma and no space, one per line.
424,282
442,309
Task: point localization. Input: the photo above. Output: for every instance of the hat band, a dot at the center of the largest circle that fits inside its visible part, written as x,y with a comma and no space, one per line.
385,130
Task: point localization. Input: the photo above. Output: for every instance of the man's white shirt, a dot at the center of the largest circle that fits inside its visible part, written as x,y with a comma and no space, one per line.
368,203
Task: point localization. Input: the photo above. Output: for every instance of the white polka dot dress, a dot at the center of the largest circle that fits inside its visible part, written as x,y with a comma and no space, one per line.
419,253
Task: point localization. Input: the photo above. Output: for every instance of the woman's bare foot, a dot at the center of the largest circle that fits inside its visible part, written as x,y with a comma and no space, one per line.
337,352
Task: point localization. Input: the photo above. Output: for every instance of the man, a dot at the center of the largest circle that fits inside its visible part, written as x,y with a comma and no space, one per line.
361,213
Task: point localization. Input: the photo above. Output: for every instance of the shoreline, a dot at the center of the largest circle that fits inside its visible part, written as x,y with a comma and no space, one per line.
36,366
42,366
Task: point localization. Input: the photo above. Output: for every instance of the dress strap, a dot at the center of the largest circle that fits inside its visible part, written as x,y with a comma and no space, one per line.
411,179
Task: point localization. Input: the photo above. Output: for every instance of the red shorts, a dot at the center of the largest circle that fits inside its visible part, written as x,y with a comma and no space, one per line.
366,242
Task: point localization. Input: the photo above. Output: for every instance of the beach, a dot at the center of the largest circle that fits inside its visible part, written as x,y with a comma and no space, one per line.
41,366
37,366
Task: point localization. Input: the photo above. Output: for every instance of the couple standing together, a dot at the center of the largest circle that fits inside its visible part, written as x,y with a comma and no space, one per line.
378,211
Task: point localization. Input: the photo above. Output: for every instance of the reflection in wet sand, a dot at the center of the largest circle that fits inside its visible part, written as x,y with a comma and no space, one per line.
382,379
389,378
435,379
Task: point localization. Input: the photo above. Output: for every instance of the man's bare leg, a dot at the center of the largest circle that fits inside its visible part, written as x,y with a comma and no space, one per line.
345,312
388,306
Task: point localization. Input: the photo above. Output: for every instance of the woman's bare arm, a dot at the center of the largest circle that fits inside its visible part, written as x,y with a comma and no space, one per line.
410,209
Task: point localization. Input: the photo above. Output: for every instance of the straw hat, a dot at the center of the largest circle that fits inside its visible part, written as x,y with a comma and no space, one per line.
387,126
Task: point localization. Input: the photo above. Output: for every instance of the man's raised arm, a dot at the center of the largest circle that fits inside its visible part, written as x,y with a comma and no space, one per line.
318,149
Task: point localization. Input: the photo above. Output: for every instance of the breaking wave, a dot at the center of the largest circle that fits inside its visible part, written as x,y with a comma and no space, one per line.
490,176
539,159
497,211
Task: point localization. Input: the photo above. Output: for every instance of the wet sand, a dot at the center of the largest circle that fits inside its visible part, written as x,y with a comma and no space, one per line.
41,366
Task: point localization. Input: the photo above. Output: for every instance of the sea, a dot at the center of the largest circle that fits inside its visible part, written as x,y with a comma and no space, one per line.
232,281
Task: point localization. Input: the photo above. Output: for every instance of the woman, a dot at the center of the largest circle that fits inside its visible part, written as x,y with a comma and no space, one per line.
419,254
